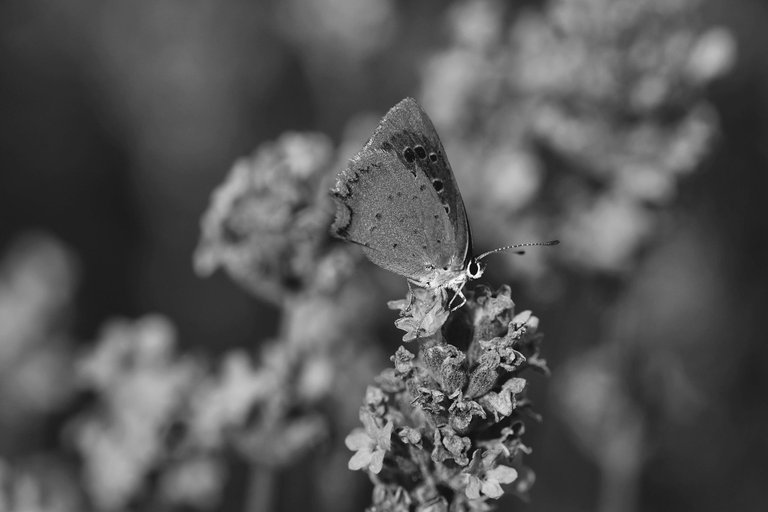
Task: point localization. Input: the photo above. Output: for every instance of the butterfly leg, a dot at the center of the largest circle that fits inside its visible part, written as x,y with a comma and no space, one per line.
458,293
463,300
451,301
411,298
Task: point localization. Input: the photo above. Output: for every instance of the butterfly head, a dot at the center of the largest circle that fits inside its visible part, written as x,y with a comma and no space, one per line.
474,269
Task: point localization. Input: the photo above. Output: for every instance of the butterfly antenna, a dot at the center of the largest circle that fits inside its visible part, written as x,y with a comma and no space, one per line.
526,244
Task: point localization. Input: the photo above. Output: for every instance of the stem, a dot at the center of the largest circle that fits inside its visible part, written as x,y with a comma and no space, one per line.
261,486
620,469
260,494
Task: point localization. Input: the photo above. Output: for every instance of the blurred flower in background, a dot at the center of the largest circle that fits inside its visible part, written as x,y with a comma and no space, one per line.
38,487
604,101
140,386
38,278
268,226
268,223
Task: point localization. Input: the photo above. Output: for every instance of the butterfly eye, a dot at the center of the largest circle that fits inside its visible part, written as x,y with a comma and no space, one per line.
433,157
420,152
409,155
438,184
474,270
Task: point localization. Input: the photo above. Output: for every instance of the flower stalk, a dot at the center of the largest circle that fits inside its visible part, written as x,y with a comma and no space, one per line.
444,425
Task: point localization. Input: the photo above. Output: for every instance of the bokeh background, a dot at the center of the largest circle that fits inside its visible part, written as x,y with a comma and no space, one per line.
135,376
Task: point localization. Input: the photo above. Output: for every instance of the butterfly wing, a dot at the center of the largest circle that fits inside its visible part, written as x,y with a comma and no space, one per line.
398,198
391,215
407,125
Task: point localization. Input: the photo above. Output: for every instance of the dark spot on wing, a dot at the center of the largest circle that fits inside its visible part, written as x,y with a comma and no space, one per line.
378,216
438,184
447,208
433,157
409,155
394,246
420,152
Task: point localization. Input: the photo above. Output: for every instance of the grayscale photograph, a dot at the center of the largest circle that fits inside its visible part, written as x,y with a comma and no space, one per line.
383,256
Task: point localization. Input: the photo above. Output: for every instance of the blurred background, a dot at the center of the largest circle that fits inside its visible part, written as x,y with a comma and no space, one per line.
131,379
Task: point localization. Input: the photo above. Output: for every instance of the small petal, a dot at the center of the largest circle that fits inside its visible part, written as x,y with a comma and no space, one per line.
473,487
492,489
503,474
357,440
384,436
360,460
369,422
515,385
500,404
374,396
526,318
376,462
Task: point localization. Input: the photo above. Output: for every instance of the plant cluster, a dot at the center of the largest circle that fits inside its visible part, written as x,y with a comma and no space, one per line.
164,428
443,427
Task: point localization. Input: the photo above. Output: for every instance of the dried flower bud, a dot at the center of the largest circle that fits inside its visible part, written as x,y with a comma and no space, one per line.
484,376
461,414
403,360
422,313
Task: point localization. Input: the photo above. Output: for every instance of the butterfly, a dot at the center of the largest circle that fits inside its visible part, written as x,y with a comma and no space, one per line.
399,200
